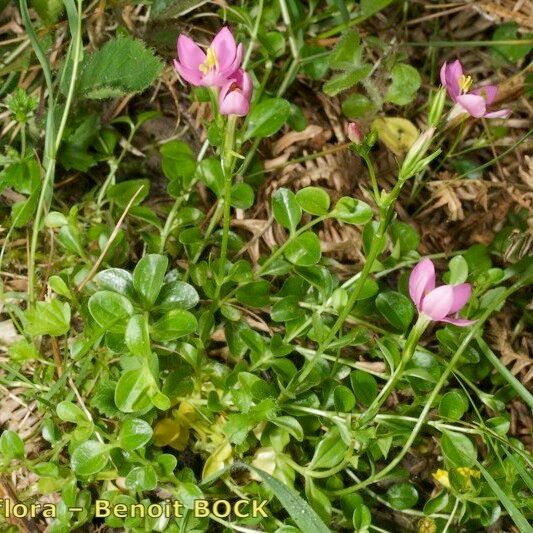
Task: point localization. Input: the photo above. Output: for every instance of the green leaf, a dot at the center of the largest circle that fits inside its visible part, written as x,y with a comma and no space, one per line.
405,83
173,325
89,458
70,412
352,211
242,196
458,270
343,399
402,496
404,236
141,478
48,318
254,294
133,390
369,7
299,510
11,446
137,337
210,172
304,250
357,105
453,405
318,499
292,426
329,452
286,208
512,52
122,193
267,118
178,160
110,310
123,65
134,434
313,200
458,449
396,308
22,350
316,68
148,277
364,386
48,10
177,294
346,80
347,52
286,309
116,280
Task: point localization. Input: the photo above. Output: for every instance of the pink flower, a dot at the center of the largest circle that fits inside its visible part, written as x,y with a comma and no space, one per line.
212,68
354,133
473,102
438,304
235,95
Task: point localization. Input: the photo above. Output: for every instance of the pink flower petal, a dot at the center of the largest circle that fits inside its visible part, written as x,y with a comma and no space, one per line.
234,98
449,77
437,304
246,84
234,103
193,77
461,295
225,48
487,91
213,78
231,69
502,113
473,104
190,55
461,322
421,281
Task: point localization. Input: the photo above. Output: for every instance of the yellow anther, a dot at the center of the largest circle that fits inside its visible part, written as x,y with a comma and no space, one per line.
465,82
210,61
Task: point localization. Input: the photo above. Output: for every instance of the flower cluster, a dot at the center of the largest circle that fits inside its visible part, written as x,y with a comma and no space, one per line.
439,304
219,67
475,101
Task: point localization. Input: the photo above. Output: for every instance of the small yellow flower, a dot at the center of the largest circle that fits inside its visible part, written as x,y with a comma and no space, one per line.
442,477
468,474
427,525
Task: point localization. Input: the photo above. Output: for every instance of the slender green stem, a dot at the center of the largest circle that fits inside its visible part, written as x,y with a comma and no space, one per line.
227,165
505,373
215,219
253,38
408,350
50,161
22,139
177,204
372,173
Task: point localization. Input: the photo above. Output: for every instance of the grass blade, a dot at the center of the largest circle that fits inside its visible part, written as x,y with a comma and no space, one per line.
505,373
302,514
515,514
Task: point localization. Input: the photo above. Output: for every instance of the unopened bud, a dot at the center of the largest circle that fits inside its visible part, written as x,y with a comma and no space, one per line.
417,152
436,106
354,133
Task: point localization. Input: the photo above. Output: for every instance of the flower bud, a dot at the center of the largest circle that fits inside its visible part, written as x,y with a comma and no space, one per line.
436,106
417,152
354,133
